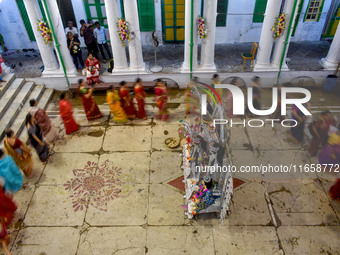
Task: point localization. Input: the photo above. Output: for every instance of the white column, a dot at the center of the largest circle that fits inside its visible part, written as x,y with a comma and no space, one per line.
186,63
79,13
266,41
51,66
333,57
119,54
208,44
280,42
135,46
60,34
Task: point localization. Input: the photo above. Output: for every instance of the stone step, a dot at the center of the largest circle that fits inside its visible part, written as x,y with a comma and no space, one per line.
9,78
45,99
19,123
15,106
9,96
43,102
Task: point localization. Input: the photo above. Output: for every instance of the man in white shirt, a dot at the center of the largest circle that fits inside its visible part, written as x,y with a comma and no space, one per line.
71,28
100,34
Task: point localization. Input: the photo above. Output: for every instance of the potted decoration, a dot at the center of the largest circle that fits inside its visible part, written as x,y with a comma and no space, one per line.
279,25
202,31
123,31
45,31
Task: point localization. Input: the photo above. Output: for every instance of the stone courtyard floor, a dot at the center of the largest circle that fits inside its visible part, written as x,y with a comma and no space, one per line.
126,206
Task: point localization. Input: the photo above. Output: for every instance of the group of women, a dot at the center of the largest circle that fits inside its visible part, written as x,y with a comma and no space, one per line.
123,108
11,182
120,101
325,134
42,133
18,156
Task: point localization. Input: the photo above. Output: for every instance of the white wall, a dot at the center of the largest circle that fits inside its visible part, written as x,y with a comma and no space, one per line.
12,27
240,26
311,30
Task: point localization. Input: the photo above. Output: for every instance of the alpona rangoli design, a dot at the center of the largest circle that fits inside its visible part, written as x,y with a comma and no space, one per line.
97,185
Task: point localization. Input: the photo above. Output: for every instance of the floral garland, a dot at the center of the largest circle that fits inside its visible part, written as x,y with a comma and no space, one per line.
123,31
202,31
45,31
279,26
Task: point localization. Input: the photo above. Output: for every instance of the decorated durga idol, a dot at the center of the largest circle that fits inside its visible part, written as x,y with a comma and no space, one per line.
205,151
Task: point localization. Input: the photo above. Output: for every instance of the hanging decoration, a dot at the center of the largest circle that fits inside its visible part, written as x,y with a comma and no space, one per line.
279,25
202,31
45,31
123,31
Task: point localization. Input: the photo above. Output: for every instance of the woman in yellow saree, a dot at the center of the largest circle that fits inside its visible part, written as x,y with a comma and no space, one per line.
19,151
113,99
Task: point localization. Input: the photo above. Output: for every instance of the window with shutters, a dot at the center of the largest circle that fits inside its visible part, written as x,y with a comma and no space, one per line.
221,17
25,19
146,12
259,10
221,13
313,11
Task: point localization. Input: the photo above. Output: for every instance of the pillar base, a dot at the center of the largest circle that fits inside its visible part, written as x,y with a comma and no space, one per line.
328,65
207,68
138,69
276,67
269,68
72,73
129,71
53,73
262,67
58,73
186,69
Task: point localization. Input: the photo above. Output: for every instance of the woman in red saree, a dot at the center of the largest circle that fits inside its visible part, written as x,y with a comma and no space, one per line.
127,101
7,207
66,113
162,99
7,210
90,106
140,98
92,70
